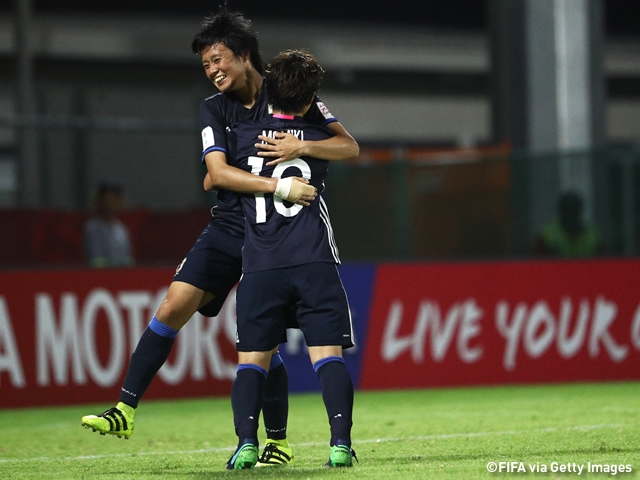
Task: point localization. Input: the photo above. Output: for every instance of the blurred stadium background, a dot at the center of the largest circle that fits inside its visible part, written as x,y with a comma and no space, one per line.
473,116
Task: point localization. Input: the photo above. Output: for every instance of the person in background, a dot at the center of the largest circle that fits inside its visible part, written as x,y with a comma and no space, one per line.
106,239
568,235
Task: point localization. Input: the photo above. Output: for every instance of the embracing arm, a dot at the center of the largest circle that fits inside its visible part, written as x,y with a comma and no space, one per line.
207,183
342,146
222,175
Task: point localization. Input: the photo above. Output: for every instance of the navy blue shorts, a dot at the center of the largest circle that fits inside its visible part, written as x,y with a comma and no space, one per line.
214,264
315,290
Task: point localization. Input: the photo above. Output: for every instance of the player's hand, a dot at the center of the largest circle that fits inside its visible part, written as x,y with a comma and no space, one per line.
281,148
296,190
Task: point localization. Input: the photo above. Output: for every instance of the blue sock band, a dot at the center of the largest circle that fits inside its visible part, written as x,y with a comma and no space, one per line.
162,329
321,363
276,361
252,366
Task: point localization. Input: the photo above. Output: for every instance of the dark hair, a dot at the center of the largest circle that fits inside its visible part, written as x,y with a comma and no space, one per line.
234,31
292,79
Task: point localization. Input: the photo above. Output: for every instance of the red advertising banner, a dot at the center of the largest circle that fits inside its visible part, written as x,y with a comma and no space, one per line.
494,323
67,337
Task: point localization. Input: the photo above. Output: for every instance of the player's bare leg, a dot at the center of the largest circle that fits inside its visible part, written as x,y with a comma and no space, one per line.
180,303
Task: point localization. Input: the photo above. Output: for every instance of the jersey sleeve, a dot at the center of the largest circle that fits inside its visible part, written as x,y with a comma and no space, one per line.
213,126
319,114
232,146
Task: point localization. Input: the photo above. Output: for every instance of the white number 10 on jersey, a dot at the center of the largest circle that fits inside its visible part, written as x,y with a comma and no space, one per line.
261,209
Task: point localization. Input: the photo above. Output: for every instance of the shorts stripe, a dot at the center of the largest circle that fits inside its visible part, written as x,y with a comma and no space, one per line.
353,337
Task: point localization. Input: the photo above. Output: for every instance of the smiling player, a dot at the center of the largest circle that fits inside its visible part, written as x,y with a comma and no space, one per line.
229,50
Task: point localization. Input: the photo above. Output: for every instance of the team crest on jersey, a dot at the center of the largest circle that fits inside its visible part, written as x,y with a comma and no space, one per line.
180,266
207,138
324,110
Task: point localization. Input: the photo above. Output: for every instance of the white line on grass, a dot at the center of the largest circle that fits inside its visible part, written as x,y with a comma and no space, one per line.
477,434
316,444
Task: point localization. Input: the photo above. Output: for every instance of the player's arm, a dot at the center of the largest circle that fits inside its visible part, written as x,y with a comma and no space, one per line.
222,175
342,146
207,183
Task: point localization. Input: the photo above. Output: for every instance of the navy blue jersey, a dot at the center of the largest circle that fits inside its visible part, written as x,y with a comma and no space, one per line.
278,233
217,114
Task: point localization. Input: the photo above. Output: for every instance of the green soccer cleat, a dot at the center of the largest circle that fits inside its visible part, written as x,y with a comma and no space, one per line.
246,456
276,453
341,456
116,421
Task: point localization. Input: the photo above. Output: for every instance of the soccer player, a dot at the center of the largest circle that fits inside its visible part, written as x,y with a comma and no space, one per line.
289,259
229,50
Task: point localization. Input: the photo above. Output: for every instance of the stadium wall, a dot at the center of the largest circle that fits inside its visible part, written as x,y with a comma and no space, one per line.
66,336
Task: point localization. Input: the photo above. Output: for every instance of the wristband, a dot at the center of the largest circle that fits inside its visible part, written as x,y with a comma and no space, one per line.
283,187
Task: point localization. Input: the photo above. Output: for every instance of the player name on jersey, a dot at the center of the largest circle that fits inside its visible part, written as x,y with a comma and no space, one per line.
299,134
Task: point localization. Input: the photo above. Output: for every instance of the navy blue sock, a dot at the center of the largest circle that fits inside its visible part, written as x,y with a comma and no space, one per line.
275,400
152,351
337,394
246,401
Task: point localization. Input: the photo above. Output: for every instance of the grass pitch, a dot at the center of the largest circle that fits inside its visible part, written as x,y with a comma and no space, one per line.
439,433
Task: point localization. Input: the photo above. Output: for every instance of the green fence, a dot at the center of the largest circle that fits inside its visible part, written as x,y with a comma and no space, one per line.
442,206
454,208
